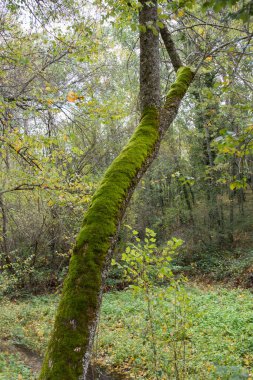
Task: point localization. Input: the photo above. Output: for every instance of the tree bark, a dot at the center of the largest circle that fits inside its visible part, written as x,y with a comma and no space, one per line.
5,246
149,56
69,349
170,47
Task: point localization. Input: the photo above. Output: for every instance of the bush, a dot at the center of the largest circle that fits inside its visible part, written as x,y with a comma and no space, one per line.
149,272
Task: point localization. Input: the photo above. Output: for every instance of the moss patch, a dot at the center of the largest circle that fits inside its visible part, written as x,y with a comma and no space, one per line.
180,86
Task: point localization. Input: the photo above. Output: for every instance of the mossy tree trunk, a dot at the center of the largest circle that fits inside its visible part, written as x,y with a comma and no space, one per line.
69,349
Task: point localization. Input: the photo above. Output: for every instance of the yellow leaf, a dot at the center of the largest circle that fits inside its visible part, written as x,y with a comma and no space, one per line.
249,128
17,146
180,13
226,149
72,96
20,377
200,31
40,333
209,59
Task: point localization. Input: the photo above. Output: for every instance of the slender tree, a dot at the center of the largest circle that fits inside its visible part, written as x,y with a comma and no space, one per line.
70,346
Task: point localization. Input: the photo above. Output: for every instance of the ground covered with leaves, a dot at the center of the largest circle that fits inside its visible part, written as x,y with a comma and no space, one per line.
208,335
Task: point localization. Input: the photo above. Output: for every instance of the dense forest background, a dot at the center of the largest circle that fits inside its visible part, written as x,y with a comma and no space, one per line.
71,95
69,102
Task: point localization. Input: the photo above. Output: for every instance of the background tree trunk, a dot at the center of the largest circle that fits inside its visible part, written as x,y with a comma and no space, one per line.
5,260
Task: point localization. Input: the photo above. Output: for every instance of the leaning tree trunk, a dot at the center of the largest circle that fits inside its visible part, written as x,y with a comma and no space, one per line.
69,349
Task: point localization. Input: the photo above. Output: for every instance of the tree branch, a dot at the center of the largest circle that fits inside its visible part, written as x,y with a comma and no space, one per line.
170,47
44,67
28,187
26,157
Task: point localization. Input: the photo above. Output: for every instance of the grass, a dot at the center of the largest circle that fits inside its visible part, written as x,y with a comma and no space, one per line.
11,367
24,325
219,334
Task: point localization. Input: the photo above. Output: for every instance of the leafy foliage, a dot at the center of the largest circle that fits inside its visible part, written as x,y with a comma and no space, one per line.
144,266
237,10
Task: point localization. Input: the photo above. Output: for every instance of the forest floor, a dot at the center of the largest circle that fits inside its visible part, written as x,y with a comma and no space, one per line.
207,334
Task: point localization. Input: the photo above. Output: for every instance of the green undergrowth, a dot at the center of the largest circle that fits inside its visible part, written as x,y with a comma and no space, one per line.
220,336
12,367
24,325
230,267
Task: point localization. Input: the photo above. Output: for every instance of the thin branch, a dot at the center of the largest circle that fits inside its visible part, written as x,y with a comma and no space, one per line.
23,186
27,158
229,43
44,67
129,57
247,83
208,24
170,47
28,187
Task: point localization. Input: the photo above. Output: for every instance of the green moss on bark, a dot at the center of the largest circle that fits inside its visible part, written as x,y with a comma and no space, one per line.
80,295
180,86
